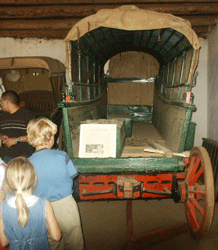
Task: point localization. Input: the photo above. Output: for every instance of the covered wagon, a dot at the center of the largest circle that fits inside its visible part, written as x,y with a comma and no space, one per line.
127,114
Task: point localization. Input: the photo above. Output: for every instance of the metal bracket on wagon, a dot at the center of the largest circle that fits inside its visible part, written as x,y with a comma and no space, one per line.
126,187
108,191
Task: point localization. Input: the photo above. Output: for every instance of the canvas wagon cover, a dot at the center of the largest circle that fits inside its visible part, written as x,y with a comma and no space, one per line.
129,17
54,66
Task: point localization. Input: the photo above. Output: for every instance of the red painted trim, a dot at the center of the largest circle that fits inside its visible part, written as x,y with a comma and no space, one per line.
106,182
183,192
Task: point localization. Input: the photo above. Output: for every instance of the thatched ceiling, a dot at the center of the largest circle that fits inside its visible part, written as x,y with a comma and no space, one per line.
52,19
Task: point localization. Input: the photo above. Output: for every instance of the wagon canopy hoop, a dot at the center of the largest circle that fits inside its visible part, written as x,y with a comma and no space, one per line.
53,66
128,28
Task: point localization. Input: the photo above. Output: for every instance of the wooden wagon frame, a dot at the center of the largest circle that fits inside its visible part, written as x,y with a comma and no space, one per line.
170,173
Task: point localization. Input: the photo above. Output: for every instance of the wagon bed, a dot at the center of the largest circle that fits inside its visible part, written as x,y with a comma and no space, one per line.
141,133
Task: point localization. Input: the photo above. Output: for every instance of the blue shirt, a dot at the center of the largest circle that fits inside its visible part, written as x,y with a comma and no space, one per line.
55,172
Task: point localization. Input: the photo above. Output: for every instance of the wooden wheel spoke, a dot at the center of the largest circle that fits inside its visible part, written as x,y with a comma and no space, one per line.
197,206
196,176
200,192
194,165
192,216
191,166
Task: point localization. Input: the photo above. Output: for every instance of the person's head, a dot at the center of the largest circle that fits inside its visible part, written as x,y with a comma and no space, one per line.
9,98
40,132
20,176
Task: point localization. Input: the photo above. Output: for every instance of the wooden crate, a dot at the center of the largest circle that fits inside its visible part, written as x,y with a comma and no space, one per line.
101,138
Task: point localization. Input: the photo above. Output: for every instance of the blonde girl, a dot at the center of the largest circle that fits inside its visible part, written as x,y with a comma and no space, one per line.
25,218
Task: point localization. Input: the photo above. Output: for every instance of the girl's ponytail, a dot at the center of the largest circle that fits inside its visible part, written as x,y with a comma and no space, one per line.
22,210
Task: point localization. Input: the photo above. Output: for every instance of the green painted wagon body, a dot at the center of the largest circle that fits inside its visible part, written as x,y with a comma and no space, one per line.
152,69
97,39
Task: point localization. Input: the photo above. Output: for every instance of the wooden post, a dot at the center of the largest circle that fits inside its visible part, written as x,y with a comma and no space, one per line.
129,225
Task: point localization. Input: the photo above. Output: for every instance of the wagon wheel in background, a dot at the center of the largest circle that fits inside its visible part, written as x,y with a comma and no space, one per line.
197,192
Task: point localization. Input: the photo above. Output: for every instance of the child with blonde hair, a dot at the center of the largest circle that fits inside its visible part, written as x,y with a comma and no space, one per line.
25,218
56,173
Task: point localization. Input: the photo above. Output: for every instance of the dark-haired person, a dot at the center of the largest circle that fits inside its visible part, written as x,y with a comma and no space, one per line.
13,124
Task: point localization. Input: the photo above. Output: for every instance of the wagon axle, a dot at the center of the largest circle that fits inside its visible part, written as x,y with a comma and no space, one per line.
127,187
187,192
102,187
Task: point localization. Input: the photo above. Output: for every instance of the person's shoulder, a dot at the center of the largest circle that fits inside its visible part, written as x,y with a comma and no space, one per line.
59,152
52,152
3,114
25,111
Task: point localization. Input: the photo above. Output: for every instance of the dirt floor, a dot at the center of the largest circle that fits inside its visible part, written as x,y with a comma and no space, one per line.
104,225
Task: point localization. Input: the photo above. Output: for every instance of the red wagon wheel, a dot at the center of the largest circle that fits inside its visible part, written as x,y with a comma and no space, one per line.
199,192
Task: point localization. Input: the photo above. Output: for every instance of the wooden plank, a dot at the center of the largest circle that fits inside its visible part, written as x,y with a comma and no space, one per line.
68,23
129,224
166,152
141,132
158,236
203,20
37,24
45,34
85,10
144,131
61,34
57,2
200,29
130,151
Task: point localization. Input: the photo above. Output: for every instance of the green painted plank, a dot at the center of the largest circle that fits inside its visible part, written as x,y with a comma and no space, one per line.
116,165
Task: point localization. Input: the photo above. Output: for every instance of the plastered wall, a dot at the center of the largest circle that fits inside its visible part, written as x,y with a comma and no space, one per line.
200,95
212,120
32,47
56,49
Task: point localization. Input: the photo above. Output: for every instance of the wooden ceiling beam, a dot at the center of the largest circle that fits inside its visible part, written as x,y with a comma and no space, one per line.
201,31
41,34
52,19
34,24
68,23
202,20
85,10
75,2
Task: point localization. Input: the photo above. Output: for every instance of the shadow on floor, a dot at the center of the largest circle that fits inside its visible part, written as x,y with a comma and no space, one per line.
104,225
